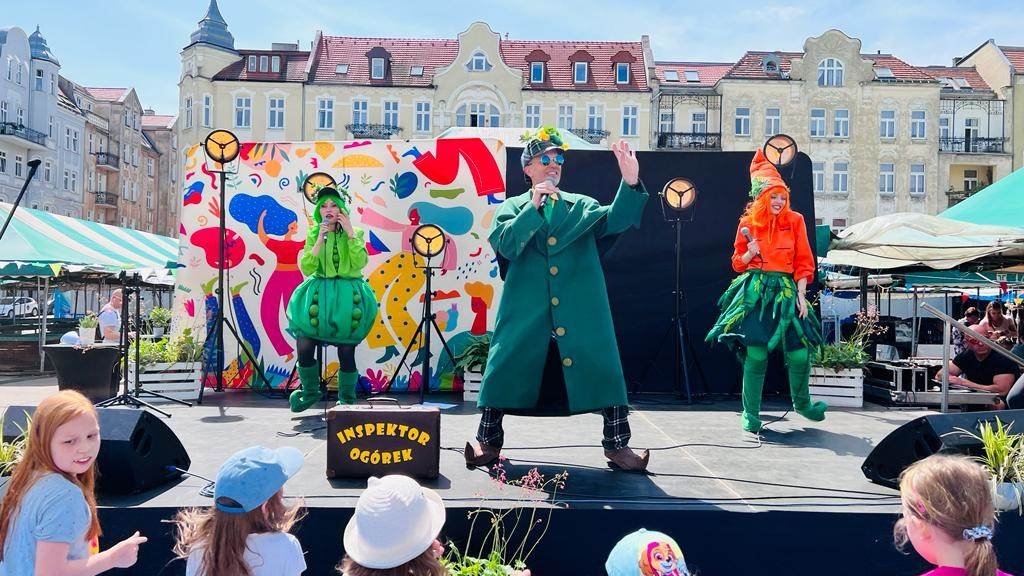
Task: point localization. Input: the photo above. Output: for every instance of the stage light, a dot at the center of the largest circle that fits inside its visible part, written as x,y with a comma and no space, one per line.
780,149
428,240
221,146
314,182
679,194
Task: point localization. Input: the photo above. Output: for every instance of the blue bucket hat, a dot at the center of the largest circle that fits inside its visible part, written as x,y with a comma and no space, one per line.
250,477
646,553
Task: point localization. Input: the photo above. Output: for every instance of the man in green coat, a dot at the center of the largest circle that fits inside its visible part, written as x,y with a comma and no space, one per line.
555,290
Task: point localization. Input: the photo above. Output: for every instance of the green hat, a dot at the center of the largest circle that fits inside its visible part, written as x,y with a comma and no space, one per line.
327,193
537,143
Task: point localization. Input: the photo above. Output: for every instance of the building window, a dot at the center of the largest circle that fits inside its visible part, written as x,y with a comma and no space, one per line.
325,114
53,85
91,182
67,178
423,116
841,177
579,74
830,72
666,122
275,119
207,111
21,116
839,222
377,68
47,171
532,117
149,167
818,175
772,121
416,71
886,179
478,63
944,129
887,124
699,122
188,112
478,115
67,138
51,127
74,181
629,120
817,123
275,63
622,73
3,112
3,162
565,117
536,72
671,76
917,124
243,112
841,124
970,179
10,68
90,143
595,117
19,163
391,113
359,112
917,179
39,80
264,63
742,124
252,63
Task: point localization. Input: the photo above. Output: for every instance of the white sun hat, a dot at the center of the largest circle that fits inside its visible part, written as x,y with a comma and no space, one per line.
395,520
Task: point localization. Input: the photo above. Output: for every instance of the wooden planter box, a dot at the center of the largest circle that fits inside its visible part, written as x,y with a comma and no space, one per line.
179,380
844,388
471,385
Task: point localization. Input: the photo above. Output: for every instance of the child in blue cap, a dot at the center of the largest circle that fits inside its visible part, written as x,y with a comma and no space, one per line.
245,533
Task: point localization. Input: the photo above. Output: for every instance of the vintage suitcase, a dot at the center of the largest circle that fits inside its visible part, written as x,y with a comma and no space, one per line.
383,438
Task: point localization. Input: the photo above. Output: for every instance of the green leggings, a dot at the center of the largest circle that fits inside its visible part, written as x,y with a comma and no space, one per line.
798,365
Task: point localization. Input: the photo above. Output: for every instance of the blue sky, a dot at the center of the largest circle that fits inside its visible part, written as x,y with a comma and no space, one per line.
137,43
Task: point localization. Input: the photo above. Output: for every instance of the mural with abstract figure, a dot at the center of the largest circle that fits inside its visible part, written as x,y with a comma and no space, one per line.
395,186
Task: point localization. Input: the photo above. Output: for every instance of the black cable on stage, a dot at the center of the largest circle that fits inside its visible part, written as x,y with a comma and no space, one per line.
205,490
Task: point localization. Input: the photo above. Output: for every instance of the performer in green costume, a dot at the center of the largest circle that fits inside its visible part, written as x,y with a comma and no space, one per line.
334,304
764,307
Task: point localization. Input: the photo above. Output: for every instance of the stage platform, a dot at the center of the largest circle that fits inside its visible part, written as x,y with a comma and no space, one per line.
792,503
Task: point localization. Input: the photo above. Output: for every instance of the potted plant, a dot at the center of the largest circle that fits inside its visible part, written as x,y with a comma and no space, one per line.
159,320
471,363
12,452
169,366
87,329
1004,460
837,375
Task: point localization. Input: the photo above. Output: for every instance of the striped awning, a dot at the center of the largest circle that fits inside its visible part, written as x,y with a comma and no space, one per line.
39,243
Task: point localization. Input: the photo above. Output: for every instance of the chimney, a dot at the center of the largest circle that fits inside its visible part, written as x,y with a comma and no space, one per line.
148,112
957,60
284,46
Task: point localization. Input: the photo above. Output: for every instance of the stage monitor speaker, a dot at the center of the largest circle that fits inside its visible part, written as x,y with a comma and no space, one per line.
135,451
929,435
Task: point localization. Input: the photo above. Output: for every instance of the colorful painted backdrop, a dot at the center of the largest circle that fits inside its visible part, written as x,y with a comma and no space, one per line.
395,186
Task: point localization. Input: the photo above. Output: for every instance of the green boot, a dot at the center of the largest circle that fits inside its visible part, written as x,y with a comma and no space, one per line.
347,387
798,364
309,393
755,365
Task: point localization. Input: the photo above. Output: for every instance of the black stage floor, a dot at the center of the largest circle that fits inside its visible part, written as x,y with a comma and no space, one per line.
794,503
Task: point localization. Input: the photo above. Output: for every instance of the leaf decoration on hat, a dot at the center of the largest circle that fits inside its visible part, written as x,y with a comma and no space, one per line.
757,185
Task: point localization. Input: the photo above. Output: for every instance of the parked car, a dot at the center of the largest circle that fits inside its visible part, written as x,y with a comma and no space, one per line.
18,306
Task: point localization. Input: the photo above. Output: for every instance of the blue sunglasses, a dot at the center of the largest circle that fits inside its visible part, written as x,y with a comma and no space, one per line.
546,160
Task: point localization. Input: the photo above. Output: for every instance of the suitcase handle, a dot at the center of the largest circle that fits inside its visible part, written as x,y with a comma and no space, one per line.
373,399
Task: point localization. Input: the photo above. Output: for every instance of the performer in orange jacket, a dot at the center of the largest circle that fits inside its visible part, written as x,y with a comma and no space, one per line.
765,307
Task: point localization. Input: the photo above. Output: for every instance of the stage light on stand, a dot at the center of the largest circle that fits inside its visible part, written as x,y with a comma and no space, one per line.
221,146
679,194
780,150
314,182
428,240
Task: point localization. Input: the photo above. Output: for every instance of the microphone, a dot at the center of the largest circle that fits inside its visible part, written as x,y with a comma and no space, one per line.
552,198
746,234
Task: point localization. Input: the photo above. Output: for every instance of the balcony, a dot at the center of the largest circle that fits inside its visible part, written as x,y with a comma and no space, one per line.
107,161
592,136
106,199
373,131
973,145
19,135
689,141
954,197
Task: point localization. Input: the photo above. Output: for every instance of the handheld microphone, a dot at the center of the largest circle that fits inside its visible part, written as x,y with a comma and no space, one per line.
746,234
552,198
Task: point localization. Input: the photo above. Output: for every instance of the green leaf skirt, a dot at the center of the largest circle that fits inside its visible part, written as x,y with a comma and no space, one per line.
332,310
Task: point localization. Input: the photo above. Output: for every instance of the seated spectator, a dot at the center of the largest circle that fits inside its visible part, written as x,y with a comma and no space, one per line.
246,532
646,553
971,318
1015,397
997,323
979,368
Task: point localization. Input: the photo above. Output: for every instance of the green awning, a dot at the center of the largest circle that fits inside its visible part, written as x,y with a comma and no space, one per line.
822,238
955,278
1000,203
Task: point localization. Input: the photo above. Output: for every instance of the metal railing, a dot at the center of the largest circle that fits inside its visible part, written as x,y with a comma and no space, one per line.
372,131
973,145
108,159
106,198
21,131
593,136
690,140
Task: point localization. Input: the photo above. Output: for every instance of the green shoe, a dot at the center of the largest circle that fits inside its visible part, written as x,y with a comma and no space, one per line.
814,412
347,387
309,392
751,423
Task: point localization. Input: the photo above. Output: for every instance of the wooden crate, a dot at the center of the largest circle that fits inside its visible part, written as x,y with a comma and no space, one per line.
179,380
842,389
471,386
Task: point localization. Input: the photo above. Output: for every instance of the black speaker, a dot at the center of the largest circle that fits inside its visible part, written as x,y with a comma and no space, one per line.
928,435
135,451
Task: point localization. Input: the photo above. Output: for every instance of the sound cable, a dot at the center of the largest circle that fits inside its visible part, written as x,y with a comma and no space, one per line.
205,490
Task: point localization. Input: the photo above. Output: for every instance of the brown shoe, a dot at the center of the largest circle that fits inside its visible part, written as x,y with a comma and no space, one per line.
480,455
626,459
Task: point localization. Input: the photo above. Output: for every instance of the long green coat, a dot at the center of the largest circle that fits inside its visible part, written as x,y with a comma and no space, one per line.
555,285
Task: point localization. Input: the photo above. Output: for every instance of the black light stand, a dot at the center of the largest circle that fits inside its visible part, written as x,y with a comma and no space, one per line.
428,241
130,396
33,165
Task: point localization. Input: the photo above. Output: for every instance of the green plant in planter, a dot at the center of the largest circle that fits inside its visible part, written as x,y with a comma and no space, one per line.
850,353
183,348
1004,454
474,355
160,317
89,321
12,452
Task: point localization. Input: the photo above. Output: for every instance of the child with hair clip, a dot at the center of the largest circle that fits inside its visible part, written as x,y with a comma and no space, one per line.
48,519
246,532
948,516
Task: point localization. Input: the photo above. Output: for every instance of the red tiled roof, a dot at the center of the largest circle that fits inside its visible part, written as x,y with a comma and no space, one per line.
107,94
969,73
558,70
293,67
1015,54
404,54
749,66
708,73
157,121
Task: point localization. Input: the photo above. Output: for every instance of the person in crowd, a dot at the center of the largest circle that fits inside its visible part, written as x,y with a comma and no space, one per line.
948,516
997,322
110,319
971,318
979,368
48,520
646,553
1017,314
246,532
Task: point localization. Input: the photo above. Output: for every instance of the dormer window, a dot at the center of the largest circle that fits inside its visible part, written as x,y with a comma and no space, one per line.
377,68
341,69
478,63
883,73
579,72
692,76
252,63
416,71
671,76
275,63
830,72
622,73
264,63
771,64
536,72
